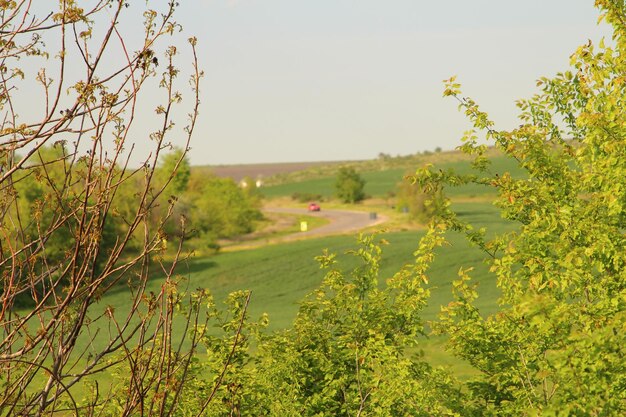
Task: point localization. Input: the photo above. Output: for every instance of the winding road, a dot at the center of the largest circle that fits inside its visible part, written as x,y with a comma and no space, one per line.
340,221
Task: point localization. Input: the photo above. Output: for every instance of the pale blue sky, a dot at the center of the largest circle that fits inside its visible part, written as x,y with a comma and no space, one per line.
295,80
290,80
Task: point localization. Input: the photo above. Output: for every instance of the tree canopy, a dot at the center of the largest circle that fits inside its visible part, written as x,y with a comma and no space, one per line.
349,185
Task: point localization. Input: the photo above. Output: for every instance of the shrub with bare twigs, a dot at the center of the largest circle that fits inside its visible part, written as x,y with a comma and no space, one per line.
76,221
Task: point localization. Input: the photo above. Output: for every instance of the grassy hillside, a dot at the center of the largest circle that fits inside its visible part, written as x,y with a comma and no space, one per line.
381,183
382,163
281,275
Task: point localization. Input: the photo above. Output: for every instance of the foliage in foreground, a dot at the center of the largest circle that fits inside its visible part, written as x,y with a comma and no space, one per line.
76,222
555,347
351,351
557,344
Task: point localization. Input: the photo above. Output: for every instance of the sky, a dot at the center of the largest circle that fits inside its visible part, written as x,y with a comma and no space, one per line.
294,80
327,80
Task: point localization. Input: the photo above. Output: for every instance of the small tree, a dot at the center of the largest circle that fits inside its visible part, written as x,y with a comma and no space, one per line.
422,204
556,345
65,182
348,353
349,185
219,208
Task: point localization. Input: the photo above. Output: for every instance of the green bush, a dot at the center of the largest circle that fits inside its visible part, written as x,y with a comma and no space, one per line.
349,185
421,204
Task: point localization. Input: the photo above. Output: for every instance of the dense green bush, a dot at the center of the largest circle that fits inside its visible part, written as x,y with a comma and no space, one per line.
219,208
210,206
557,345
349,185
422,204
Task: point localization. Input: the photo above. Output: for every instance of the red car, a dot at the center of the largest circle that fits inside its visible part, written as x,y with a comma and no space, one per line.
314,207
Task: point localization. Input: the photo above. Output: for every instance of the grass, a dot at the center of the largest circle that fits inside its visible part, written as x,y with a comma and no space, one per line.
269,230
381,183
281,275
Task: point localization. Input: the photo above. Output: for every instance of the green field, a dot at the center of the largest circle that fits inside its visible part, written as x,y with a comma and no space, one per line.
381,183
280,275
377,184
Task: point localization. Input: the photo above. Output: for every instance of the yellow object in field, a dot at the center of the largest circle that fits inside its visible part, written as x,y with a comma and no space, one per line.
304,226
